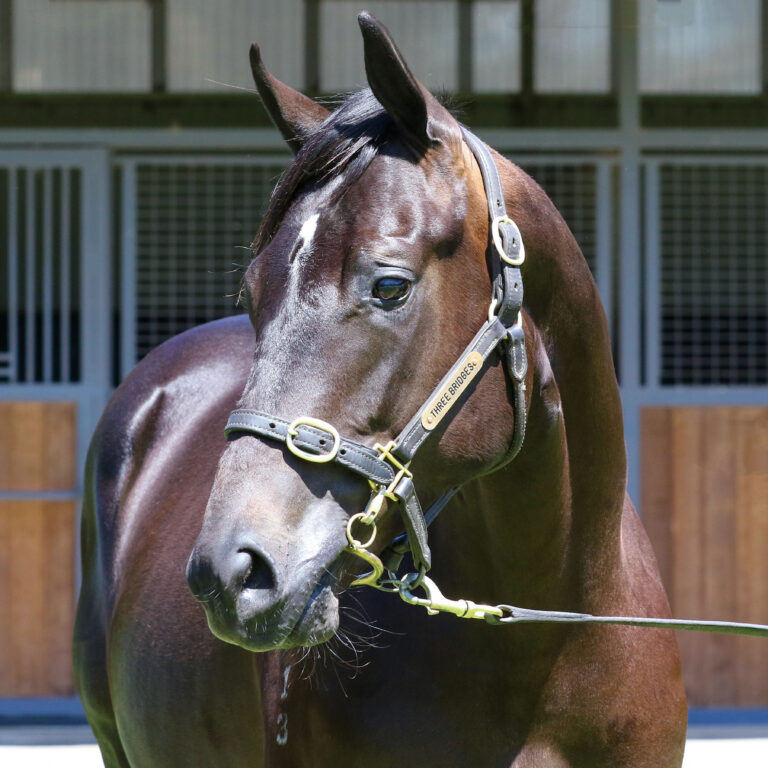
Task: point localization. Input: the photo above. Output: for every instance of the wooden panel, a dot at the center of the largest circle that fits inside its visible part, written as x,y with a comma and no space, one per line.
37,597
705,506
37,549
37,449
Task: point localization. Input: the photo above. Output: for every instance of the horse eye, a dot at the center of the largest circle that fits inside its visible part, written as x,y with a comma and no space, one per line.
391,288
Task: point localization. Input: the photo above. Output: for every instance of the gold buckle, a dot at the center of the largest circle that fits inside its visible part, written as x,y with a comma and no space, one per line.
377,500
385,454
308,421
499,245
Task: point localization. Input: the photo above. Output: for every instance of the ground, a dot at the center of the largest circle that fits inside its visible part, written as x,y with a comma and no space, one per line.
73,747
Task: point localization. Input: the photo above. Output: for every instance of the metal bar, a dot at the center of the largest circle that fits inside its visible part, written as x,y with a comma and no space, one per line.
465,54
128,295
65,278
629,215
552,158
681,395
67,495
13,273
652,349
615,46
95,295
527,44
204,160
626,14
45,392
6,46
717,160
764,44
29,278
604,238
158,26
258,140
312,45
47,276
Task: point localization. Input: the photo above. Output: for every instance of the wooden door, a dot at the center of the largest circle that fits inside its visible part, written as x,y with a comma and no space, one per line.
705,506
37,547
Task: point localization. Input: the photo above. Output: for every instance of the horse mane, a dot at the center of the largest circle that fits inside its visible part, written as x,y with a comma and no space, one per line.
346,142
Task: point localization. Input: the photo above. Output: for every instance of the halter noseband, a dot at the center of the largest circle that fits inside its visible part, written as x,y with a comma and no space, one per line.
386,467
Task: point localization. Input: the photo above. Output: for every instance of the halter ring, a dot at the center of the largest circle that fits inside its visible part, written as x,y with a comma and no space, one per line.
356,543
316,458
520,258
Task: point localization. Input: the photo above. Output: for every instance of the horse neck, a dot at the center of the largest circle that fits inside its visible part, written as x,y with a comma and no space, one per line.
508,531
516,535
562,300
547,527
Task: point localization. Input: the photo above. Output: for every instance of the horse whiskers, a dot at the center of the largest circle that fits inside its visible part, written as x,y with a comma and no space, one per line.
212,594
335,580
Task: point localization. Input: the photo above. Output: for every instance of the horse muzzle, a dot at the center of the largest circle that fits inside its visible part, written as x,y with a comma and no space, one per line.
253,601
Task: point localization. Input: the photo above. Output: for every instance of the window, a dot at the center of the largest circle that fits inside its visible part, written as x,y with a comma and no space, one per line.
699,46
209,41
573,46
81,45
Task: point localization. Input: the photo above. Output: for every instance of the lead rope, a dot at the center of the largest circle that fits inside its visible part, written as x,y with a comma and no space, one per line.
503,615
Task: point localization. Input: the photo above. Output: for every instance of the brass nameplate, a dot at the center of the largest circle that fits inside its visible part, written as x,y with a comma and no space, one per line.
441,403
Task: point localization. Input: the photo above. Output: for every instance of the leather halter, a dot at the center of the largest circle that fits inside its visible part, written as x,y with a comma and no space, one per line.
386,467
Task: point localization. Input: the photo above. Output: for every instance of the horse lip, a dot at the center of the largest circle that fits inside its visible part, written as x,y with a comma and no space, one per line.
322,583
307,636
282,636
325,582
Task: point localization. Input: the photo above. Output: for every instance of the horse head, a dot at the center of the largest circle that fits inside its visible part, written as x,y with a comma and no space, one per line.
370,278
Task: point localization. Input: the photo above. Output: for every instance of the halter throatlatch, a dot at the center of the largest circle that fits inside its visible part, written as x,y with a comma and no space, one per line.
386,467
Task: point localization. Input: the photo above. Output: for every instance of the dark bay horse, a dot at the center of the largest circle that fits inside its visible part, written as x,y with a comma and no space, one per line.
371,277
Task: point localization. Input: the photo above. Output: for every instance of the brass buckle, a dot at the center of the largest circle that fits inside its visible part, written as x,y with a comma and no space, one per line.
500,246
385,454
368,517
377,500
316,458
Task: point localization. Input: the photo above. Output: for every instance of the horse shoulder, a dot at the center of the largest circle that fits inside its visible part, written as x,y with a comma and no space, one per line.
189,380
177,386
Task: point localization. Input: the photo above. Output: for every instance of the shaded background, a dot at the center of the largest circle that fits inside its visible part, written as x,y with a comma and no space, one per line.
134,167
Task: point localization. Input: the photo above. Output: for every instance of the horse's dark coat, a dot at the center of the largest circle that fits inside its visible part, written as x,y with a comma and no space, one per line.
552,530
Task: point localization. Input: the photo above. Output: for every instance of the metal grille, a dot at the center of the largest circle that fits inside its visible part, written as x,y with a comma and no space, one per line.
195,222
573,189
714,274
39,278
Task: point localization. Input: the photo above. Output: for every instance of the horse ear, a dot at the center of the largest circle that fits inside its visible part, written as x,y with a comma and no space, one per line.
415,110
294,114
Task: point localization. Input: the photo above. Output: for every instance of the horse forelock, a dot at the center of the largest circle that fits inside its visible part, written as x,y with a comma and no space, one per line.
345,143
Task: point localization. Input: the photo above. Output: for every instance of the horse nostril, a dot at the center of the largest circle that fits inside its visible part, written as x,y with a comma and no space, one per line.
259,573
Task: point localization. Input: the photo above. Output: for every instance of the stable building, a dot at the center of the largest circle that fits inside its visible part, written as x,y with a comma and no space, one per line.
135,163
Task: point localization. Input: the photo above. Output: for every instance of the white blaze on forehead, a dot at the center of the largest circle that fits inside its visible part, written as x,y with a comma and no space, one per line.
308,228
306,234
